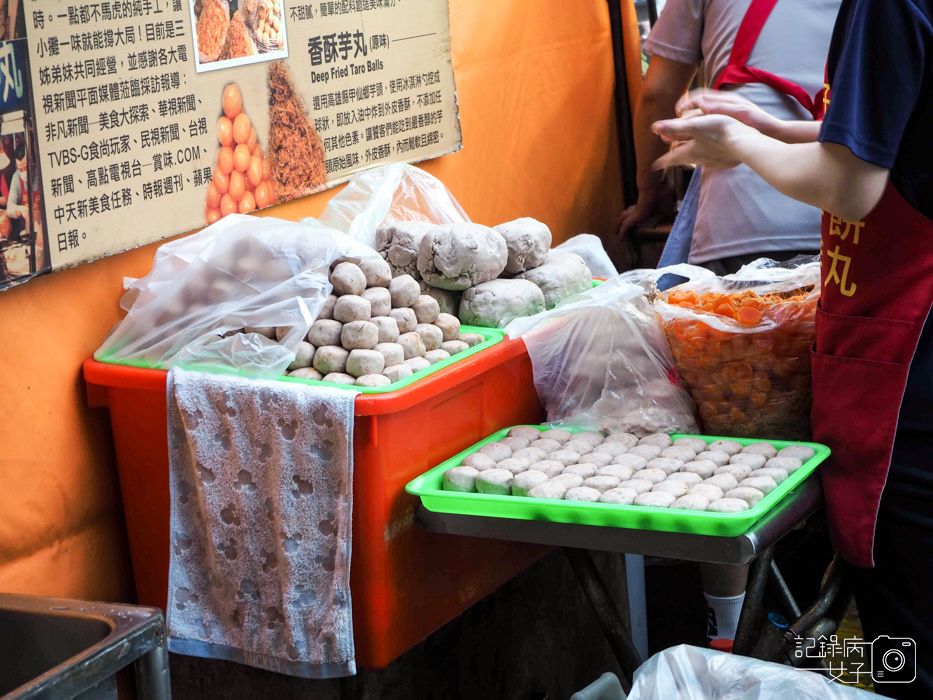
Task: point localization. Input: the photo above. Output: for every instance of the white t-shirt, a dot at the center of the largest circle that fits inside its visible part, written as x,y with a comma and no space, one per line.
738,212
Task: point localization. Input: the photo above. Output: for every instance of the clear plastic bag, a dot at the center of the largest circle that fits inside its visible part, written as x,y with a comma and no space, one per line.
691,673
742,344
591,249
396,192
242,271
601,361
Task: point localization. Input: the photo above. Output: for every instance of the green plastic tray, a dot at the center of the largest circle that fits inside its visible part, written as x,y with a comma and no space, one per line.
492,336
429,488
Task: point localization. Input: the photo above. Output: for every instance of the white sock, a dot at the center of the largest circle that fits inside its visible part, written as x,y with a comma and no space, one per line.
722,616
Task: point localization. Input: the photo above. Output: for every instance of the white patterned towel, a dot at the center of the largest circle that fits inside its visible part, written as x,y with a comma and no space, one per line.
261,483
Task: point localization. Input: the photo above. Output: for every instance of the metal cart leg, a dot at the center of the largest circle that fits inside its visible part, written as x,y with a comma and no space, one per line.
152,675
750,618
613,626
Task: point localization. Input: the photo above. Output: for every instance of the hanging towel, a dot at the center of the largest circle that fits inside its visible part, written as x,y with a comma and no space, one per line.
261,489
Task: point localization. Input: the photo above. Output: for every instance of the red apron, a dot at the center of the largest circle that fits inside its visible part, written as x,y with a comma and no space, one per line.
738,72
877,278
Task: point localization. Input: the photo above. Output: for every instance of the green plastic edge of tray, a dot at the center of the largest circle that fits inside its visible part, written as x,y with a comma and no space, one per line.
428,487
493,336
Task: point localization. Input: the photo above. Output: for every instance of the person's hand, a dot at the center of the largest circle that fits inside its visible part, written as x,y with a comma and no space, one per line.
706,101
651,202
709,140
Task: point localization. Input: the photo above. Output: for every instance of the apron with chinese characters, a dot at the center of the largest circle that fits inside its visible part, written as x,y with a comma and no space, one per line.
877,278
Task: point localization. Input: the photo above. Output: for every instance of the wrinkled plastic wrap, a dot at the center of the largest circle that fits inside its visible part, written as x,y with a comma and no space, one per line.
387,195
690,673
742,344
601,361
242,271
591,249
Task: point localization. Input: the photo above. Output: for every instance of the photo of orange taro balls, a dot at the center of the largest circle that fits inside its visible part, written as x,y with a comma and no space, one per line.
242,180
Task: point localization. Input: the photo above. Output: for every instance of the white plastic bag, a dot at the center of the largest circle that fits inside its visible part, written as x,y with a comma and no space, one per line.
690,673
396,192
242,271
600,360
591,249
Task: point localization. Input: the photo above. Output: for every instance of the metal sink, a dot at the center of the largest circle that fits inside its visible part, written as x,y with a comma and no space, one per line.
58,649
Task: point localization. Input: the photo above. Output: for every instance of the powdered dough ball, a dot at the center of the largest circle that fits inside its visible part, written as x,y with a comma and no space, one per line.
655,476
788,464
619,496
327,311
753,461
532,454
633,462
668,466
373,380
515,442
398,243
582,493
352,308
801,452
396,372
654,499
454,347
562,276
449,326
637,485
359,335
765,484
387,327
527,480
412,344
598,459
339,378
549,467
688,478
405,320
281,332
760,448
348,278
331,359
361,362
525,431
306,373
304,356
728,505
528,242
325,332
379,301
404,291
591,436
779,475
710,492
739,471
569,480
548,490
565,457
495,482
746,493
698,445
472,339
496,450
515,465
662,440
582,470
416,364
646,451
730,447
704,468
435,356
615,449
601,483
545,444
558,434
460,256
581,447
264,331
675,488
627,439
725,482
447,301
616,470
496,303
426,309
684,454
479,461
431,336
378,272
691,501
462,479
721,459
392,353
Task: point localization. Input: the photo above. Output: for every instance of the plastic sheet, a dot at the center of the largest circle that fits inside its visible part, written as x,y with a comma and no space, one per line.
591,249
742,344
242,271
601,361
690,673
396,192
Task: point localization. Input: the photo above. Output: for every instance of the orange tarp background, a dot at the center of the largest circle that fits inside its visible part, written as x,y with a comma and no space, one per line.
535,89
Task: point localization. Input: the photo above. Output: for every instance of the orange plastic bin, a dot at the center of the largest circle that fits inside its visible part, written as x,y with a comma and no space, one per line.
405,582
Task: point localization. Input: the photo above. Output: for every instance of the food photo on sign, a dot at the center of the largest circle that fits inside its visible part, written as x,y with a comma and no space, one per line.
237,32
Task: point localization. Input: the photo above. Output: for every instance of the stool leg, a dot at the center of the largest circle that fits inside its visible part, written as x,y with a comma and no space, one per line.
750,619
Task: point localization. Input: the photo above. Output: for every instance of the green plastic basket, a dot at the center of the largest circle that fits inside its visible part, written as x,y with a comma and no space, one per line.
429,488
492,336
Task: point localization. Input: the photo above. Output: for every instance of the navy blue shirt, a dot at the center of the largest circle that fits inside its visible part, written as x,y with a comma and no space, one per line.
881,74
